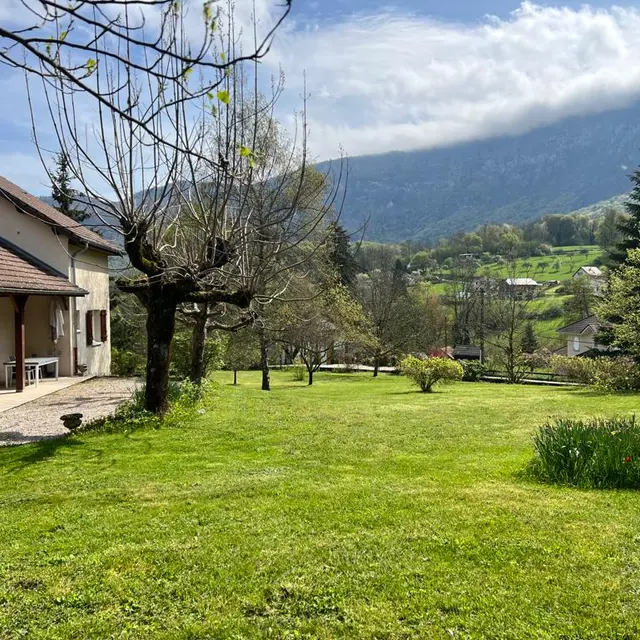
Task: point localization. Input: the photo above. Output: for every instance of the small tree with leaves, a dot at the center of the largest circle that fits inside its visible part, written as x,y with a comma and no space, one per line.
242,351
621,306
580,304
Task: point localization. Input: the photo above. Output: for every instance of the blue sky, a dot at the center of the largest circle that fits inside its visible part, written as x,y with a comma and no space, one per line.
416,74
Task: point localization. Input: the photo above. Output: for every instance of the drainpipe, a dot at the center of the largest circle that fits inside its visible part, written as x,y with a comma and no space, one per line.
74,307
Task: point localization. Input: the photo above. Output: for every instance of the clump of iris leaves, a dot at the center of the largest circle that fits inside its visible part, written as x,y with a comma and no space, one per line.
600,453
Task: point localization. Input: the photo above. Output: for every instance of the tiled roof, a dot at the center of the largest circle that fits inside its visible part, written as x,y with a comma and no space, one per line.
30,204
591,322
22,273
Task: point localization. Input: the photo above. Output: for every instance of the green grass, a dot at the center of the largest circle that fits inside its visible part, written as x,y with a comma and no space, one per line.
357,508
561,265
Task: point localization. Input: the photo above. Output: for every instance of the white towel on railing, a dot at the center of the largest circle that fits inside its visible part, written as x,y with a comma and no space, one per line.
56,319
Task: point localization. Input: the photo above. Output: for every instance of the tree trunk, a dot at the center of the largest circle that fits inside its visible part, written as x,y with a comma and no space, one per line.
264,363
310,377
198,344
161,322
235,377
376,366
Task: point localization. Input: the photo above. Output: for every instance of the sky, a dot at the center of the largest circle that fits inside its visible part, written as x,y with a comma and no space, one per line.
417,74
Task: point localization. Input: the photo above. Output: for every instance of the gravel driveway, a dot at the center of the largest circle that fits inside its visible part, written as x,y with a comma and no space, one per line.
40,418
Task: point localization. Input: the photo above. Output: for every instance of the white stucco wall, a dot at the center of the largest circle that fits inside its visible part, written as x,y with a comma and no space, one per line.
34,237
92,274
584,342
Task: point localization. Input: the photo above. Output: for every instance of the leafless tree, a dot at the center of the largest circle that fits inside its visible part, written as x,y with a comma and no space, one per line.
77,44
179,184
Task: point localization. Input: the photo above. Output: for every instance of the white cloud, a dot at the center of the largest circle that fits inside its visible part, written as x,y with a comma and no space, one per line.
394,81
399,82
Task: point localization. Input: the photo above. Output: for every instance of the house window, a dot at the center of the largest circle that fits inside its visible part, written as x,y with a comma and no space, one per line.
96,323
576,344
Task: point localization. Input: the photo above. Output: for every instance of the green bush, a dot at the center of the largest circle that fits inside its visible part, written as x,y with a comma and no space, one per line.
428,372
298,373
127,363
617,373
473,370
181,354
598,453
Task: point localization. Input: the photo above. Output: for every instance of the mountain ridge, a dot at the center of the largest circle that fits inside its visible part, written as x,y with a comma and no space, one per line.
559,168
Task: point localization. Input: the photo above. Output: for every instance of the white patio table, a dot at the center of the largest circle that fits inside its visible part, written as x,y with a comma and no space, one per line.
36,363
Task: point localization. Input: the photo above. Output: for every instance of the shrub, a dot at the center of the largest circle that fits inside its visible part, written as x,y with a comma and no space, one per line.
618,373
426,373
473,370
126,363
298,373
598,453
181,354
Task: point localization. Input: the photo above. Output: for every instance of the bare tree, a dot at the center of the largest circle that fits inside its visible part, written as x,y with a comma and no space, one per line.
466,297
179,185
164,41
505,320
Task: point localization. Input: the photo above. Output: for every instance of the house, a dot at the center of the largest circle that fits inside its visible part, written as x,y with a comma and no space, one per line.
521,287
594,275
581,337
54,292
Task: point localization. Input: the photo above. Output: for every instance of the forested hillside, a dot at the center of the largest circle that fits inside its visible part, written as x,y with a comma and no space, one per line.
556,169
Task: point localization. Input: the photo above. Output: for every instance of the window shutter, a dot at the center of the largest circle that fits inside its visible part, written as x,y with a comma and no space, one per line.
103,325
89,323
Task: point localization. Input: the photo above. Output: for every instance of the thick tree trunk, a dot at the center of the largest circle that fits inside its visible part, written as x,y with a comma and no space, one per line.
235,377
310,377
198,344
161,322
264,363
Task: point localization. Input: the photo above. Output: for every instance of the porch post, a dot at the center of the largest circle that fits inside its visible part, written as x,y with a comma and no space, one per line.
19,303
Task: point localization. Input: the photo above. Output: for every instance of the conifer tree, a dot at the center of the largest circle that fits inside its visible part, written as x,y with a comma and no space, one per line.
529,339
341,257
629,226
61,191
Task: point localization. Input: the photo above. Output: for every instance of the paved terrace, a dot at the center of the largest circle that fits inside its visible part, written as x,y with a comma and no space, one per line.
35,413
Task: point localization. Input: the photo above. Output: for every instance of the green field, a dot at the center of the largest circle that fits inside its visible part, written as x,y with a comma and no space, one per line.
357,508
560,266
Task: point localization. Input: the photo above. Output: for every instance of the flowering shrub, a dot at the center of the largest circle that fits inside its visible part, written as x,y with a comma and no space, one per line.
619,373
427,372
597,453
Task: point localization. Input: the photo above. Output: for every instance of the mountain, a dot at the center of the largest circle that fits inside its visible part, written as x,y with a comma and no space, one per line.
556,169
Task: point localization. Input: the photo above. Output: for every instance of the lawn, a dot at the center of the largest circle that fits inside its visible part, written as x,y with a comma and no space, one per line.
357,508
561,265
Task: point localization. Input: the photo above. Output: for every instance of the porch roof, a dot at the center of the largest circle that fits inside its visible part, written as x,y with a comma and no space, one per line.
23,274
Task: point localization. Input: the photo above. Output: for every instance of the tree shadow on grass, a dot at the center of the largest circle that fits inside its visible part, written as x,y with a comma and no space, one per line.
594,393
20,457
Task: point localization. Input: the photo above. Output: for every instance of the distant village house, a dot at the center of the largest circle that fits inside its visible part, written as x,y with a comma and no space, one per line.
594,275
